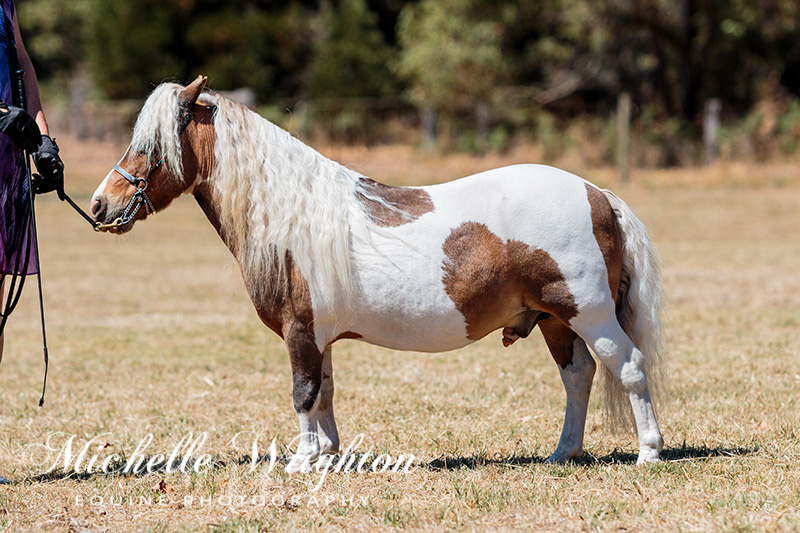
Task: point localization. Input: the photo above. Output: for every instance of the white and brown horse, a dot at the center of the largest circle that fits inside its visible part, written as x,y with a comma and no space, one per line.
328,254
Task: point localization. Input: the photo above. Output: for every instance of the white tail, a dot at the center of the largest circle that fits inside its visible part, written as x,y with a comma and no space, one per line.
638,312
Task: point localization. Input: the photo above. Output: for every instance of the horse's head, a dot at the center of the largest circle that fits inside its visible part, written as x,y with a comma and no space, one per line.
155,169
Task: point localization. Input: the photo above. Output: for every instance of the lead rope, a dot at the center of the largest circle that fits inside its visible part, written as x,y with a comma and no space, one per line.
64,197
19,75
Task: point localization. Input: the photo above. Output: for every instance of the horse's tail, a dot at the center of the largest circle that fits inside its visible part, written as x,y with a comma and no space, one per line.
638,312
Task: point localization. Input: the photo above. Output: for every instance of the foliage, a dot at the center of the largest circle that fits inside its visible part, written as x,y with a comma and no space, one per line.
564,57
451,59
54,33
130,42
350,56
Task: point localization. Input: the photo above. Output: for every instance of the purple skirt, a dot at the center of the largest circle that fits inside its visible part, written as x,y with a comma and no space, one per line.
17,252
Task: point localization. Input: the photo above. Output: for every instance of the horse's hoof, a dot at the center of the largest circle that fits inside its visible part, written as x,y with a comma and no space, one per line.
328,447
299,464
647,458
560,458
4,481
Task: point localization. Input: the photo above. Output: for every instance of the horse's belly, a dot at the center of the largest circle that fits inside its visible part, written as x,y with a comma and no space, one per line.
440,335
404,305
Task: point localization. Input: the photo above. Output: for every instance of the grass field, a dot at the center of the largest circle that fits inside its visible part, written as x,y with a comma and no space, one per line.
152,334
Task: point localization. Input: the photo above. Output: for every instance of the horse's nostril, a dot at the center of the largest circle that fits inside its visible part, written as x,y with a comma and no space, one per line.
98,208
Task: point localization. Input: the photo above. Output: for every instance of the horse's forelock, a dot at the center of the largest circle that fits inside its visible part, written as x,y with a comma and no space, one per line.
156,133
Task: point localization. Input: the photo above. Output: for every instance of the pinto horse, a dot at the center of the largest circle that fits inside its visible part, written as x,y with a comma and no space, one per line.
327,254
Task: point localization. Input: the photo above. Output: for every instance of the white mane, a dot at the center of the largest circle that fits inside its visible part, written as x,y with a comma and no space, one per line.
157,126
277,195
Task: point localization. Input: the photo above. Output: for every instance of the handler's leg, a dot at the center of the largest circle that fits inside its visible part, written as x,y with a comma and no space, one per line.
306,362
328,434
577,371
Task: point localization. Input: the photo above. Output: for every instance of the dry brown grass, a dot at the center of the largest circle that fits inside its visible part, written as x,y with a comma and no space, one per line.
153,334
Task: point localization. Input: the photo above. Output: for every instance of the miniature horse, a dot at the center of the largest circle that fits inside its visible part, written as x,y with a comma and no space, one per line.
328,254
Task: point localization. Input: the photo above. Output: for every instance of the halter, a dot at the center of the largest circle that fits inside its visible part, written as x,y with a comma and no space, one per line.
140,196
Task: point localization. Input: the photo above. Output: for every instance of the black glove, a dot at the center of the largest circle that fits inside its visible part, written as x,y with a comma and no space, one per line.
50,167
19,125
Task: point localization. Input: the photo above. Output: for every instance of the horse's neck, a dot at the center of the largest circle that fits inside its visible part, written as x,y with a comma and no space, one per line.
288,289
205,196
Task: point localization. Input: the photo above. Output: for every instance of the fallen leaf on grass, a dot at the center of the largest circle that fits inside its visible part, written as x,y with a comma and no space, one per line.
164,488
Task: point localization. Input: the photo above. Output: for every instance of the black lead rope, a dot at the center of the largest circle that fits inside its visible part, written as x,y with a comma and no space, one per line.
19,77
64,197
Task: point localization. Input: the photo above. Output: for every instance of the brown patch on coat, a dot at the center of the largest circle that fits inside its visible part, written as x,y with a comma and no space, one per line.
560,341
607,234
405,204
491,281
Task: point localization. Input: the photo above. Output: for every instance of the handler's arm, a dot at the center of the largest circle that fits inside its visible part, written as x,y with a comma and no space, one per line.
32,100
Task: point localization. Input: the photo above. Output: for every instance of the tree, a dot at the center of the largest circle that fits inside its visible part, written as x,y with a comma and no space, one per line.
350,56
55,34
132,46
451,59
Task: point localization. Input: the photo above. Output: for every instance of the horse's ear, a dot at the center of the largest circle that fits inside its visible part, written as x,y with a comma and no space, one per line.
189,95
187,98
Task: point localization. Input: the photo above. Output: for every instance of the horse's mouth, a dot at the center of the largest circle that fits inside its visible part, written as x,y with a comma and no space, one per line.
111,219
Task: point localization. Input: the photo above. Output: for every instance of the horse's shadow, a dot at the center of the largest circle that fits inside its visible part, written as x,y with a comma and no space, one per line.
117,469
668,455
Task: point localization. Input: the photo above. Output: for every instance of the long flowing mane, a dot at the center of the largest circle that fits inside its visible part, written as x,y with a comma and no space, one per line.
277,195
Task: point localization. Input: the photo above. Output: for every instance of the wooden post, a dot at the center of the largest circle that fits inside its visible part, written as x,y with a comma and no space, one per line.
482,119
428,128
624,136
711,129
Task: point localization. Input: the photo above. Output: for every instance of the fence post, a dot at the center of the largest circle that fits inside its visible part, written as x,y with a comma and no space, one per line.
624,136
428,128
711,129
482,119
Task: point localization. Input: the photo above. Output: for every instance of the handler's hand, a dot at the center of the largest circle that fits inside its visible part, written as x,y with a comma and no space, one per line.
19,125
50,167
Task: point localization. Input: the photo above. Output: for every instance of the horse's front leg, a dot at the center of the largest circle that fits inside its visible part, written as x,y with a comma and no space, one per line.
306,362
328,434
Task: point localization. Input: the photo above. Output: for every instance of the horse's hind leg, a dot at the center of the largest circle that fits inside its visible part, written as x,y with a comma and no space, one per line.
307,363
603,333
328,434
577,371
